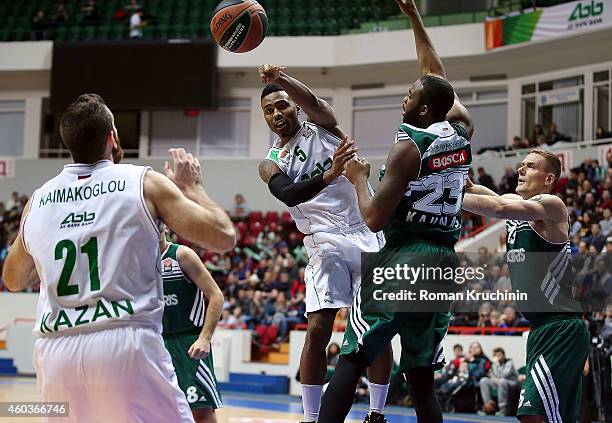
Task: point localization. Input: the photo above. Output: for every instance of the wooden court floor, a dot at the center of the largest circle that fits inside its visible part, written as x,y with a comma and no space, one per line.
241,408
24,389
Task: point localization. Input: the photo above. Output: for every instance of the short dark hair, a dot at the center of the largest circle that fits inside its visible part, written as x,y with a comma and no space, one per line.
553,163
458,346
84,128
438,94
269,89
499,350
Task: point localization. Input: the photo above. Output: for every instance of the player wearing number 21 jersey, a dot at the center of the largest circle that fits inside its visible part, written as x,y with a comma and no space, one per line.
91,236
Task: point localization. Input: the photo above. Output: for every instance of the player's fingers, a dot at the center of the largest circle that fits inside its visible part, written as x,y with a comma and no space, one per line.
190,352
182,154
190,158
175,155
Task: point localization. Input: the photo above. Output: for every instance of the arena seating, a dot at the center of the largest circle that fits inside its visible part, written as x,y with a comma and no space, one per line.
170,19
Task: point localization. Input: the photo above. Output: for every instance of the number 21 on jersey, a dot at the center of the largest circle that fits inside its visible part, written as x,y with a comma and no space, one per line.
67,250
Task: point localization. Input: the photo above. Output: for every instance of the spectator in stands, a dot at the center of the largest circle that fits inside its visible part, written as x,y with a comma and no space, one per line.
13,202
503,281
606,222
595,237
518,143
537,131
132,7
136,25
333,354
554,136
61,15
600,133
504,377
485,258
241,208
91,16
510,319
598,286
606,254
460,378
485,179
450,369
478,363
40,26
509,181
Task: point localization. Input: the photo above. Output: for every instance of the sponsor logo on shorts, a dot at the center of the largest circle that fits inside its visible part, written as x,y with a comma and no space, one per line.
448,160
527,404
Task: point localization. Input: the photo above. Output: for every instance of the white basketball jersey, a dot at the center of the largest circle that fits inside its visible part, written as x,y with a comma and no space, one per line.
96,250
307,155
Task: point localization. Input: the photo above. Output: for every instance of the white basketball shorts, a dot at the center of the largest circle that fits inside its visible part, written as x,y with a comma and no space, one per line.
333,273
115,375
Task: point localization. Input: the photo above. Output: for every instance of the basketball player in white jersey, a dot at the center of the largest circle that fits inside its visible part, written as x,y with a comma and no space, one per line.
303,170
91,234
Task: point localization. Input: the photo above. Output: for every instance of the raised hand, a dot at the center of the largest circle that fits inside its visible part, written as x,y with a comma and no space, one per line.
187,172
270,73
408,7
342,155
356,169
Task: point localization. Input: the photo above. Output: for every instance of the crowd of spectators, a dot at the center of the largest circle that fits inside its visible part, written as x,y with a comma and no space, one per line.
540,138
263,277
10,217
89,15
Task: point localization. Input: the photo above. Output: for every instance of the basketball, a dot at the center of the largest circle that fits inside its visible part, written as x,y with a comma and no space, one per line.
239,25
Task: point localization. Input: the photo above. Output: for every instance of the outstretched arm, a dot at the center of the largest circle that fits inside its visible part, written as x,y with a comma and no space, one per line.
541,207
377,209
195,270
431,64
317,109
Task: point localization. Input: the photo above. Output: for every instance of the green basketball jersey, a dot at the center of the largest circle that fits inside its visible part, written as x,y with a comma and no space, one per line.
184,302
542,270
431,206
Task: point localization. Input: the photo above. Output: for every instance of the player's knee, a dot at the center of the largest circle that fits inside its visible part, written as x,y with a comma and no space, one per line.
204,415
319,328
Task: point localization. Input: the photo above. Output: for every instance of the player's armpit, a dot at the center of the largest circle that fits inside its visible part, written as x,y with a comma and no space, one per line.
402,166
200,220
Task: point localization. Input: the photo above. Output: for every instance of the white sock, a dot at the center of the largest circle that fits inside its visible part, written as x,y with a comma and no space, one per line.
378,397
311,401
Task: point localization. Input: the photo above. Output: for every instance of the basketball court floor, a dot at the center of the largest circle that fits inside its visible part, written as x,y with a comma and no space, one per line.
242,408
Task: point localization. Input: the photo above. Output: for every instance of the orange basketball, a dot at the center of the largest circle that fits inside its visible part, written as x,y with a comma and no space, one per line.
239,25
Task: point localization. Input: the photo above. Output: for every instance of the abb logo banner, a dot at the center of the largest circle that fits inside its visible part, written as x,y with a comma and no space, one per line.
448,160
